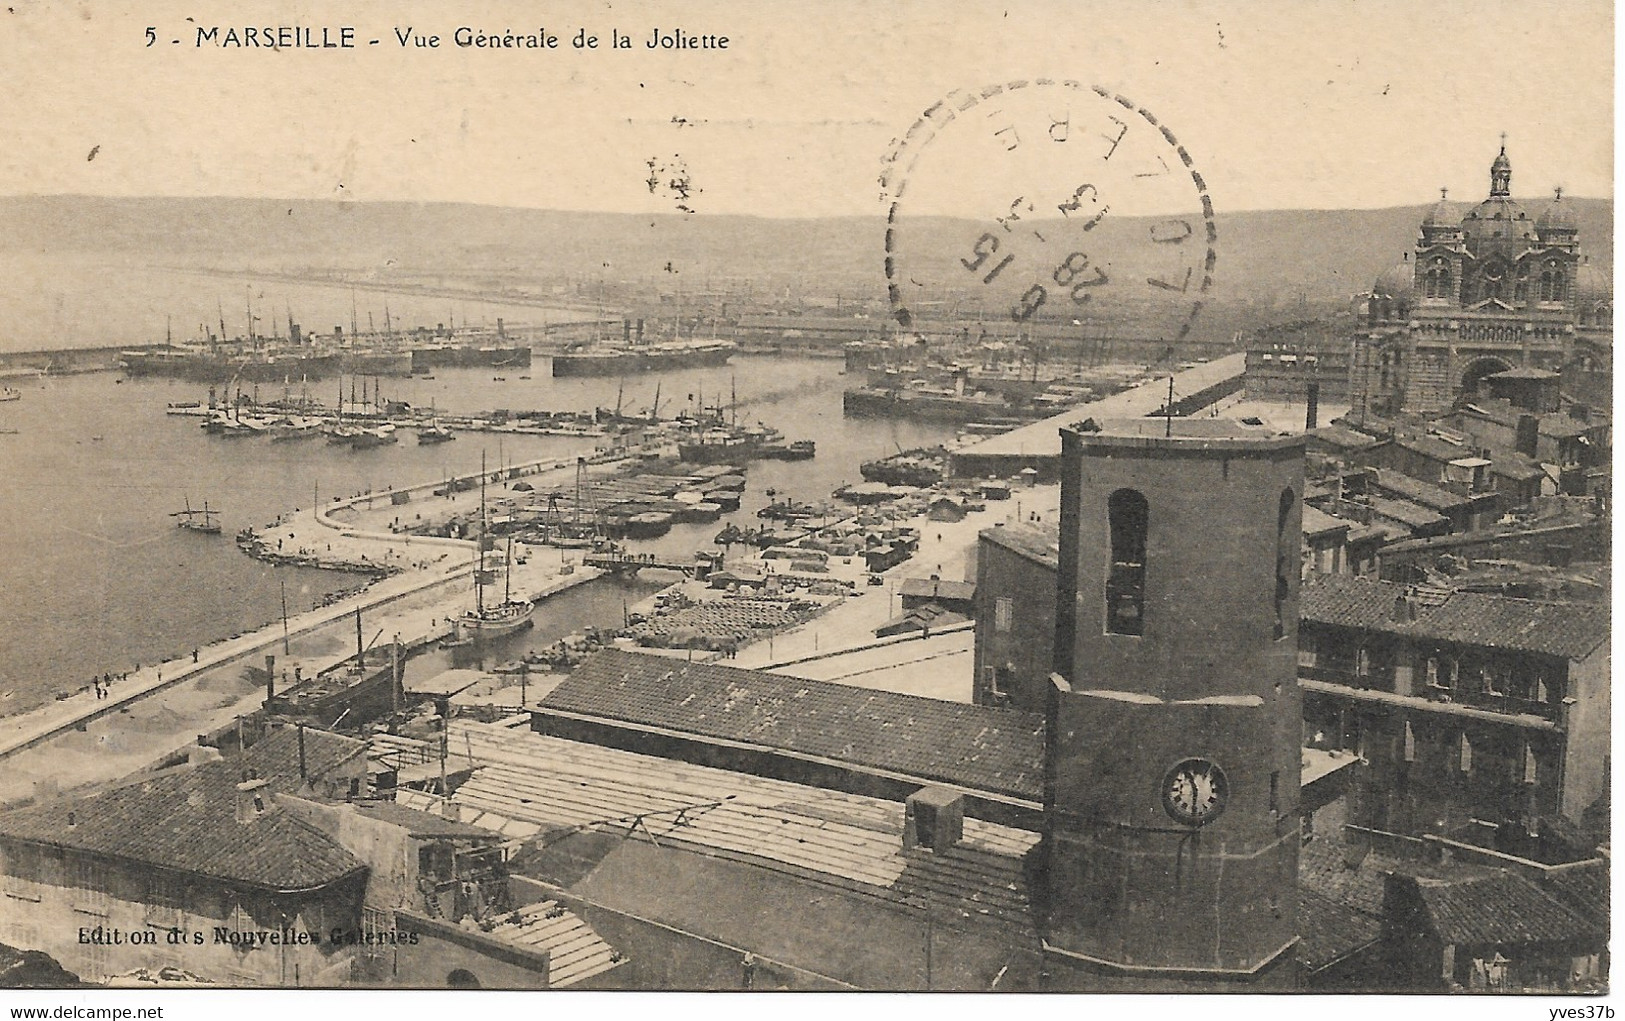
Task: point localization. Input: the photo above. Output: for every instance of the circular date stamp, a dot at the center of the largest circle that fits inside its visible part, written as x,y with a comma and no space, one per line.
1067,204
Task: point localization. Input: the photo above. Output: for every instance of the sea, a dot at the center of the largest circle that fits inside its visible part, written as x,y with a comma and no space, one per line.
97,578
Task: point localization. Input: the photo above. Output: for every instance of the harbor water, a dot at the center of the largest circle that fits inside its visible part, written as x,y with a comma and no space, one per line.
98,578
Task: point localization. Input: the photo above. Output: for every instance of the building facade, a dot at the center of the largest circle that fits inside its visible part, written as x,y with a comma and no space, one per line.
1015,615
1470,710
1493,290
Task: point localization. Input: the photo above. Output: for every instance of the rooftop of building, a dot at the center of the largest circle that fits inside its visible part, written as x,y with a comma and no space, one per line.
999,751
186,820
1571,630
1419,492
1341,437
633,831
1503,412
1411,515
1040,543
1504,909
1318,522
937,588
1181,433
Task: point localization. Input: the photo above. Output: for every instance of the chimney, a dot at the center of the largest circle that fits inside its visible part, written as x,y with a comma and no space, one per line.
253,800
933,818
1528,434
626,331
1405,607
451,811
1311,414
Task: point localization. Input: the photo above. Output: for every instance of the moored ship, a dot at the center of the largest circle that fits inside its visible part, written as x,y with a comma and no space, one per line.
613,359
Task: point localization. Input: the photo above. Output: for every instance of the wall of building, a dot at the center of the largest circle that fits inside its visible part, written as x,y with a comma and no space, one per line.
446,956
1015,628
390,854
1589,751
51,896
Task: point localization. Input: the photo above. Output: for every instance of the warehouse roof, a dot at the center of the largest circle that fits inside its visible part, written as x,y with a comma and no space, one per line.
996,750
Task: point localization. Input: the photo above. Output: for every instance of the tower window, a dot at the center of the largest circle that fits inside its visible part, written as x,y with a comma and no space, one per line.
1128,515
1284,557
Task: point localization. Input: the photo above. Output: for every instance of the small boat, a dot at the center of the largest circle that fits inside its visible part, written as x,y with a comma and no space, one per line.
435,433
205,520
11,394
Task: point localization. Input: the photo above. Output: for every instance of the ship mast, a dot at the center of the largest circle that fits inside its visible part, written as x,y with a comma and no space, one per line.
479,569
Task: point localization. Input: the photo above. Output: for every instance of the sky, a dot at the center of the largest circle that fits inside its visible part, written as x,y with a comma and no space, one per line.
1281,105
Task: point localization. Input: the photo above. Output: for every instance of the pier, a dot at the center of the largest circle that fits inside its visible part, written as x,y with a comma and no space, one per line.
632,563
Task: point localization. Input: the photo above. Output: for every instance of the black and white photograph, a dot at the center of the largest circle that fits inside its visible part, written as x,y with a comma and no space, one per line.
1110,501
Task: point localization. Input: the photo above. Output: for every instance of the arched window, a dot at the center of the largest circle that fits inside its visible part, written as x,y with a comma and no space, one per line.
1438,279
1285,554
1128,515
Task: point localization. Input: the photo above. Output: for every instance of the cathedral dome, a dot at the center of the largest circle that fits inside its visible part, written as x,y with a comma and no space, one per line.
1558,217
1398,281
1498,217
1443,216
1591,286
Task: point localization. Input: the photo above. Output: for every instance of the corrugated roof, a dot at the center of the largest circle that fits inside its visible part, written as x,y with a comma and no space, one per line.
1571,630
996,750
187,820
1501,909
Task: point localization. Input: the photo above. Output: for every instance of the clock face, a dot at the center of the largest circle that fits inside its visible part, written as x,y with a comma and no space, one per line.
1194,792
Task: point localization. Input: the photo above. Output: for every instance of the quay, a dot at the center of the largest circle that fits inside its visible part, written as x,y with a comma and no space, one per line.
416,597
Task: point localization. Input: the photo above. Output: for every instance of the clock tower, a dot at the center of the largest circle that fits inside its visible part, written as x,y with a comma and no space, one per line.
1171,838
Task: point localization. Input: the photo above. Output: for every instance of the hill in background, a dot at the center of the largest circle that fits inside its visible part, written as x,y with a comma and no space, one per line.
1275,259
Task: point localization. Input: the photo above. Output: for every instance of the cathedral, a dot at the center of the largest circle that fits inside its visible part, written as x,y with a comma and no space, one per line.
1493,291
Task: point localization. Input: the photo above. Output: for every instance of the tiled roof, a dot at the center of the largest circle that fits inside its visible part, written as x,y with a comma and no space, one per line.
1317,521
1409,514
1040,543
996,750
1329,931
1504,908
1584,889
1433,447
1417,491
419,823
1323,870
1341,436
1570,630
187,820
1513,465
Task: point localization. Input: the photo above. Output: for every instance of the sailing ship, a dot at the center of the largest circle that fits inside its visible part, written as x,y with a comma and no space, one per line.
205,520
493,619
